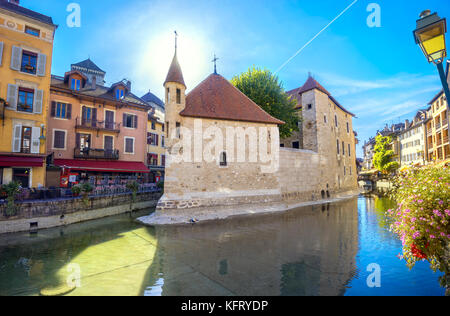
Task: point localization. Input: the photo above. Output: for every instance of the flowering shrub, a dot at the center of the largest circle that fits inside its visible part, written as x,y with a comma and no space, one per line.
422,218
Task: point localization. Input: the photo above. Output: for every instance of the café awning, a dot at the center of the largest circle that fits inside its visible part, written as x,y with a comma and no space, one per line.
102,166
21,161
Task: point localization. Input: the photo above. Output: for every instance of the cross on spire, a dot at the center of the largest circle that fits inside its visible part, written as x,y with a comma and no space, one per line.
215,63
176,38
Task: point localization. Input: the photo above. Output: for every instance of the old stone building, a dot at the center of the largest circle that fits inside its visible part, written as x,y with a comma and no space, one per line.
223,149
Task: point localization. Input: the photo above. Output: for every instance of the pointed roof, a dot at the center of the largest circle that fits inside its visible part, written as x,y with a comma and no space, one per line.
311,84
175,74
88,64
151,98
216,98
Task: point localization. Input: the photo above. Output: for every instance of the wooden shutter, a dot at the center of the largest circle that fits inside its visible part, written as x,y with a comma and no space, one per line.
69,111
129,144
38,99
135,121
17,139
41,63
157,139
60,140
125,120
53,110
78,140
16,56
108,143
11,98
1,52
83,115
35,142
94,117
149,138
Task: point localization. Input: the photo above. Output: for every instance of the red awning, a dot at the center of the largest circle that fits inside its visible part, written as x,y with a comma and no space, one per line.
20,161
102,166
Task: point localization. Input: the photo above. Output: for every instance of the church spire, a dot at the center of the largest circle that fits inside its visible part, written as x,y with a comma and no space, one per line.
175,74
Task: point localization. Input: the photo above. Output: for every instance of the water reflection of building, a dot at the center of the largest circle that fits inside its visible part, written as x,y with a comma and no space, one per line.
310,251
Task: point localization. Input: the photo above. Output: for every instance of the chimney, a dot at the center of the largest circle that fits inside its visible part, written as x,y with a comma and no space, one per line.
16,2
129,85
406,124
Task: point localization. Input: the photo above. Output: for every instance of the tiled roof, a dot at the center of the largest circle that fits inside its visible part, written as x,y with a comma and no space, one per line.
175,74
436,97
4,4
217,98
151,98
88,64
311,84
100,92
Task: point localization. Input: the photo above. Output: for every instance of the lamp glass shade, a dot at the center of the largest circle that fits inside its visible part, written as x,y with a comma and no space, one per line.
432,41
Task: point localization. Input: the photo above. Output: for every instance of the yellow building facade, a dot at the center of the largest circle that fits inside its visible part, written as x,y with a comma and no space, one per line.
437,129
26,48
156,152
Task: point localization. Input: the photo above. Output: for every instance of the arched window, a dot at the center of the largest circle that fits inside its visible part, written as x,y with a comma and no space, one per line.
223,159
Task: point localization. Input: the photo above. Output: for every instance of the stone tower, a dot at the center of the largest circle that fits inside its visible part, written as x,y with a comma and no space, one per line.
175,90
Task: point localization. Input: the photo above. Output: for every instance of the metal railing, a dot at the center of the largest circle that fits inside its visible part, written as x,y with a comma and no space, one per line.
92,153
96,124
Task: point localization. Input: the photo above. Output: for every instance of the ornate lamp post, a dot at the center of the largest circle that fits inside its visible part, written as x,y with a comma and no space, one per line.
430,36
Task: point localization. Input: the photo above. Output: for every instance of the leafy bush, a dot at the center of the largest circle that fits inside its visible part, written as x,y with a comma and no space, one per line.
11,189
76,190
87,187
133,186
422,218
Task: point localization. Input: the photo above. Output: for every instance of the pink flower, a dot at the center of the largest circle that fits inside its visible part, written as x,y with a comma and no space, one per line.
432,237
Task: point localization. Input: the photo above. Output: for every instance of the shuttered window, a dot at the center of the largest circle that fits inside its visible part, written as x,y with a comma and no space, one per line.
129,145
59,140
1,52
61,110
26,100
130,120
153,139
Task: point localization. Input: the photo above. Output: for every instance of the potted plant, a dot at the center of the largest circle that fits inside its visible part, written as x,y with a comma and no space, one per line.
86,188
76,190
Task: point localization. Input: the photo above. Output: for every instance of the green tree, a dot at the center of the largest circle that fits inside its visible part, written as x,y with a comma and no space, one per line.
382,158
264,89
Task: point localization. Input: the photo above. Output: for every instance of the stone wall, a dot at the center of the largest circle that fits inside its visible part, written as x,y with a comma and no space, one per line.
53,213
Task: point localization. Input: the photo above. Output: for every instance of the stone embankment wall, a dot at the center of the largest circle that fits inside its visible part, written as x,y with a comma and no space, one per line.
52,213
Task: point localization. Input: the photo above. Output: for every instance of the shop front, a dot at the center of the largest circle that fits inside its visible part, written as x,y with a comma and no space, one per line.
100,173
24,169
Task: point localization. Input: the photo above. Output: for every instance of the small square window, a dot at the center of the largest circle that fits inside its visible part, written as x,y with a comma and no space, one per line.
309,106
32,31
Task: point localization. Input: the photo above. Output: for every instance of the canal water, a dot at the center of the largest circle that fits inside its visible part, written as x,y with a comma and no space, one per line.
315,250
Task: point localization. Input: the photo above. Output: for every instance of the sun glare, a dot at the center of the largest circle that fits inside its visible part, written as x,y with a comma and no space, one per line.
153,64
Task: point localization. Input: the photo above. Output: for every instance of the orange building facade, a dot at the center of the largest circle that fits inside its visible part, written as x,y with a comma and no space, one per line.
95,133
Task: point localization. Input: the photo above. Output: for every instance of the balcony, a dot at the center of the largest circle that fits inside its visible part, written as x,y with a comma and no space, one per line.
444,122
91,153
98,125
438,126
445,141
429,132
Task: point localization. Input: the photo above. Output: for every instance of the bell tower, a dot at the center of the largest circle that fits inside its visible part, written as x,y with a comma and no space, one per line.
175,91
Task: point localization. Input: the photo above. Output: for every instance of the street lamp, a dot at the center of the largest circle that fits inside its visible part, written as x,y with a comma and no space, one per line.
430,36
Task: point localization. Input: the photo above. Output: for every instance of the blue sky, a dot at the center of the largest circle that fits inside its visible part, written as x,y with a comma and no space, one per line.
377,73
